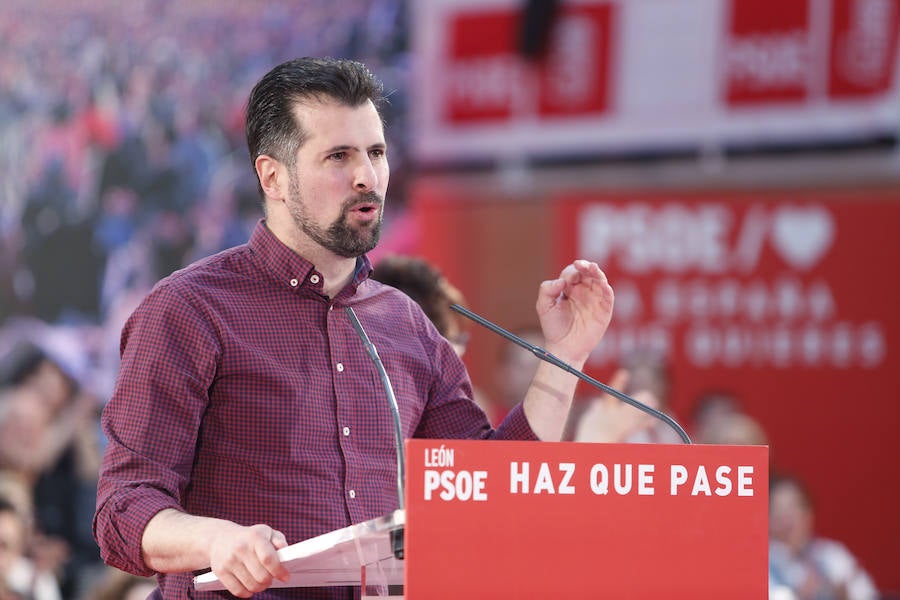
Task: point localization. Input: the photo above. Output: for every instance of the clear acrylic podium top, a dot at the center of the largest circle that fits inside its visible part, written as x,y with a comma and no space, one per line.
337,558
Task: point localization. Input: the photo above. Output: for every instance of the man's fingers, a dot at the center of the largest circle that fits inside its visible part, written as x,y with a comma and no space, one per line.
268,557
578,278
548,293
234,584
278,540
571,275
251,561
257,567
582,272
583,268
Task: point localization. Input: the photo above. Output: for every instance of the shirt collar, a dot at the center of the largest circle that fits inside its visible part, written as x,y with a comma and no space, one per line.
362,272
291,268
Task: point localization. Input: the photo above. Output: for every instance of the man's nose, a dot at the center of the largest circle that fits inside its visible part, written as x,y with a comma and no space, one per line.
364,176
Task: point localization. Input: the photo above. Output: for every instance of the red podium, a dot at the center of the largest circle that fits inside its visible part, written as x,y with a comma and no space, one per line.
490,519
564,520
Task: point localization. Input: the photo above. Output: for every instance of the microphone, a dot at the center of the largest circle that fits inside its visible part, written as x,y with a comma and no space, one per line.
396,534
546,356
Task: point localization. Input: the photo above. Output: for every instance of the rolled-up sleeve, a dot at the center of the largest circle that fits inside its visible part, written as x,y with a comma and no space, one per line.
169,356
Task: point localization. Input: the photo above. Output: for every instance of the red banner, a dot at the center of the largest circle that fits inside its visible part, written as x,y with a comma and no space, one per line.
484,73
624,75
768,51
774,52
741,284
863,47
787,299
489,81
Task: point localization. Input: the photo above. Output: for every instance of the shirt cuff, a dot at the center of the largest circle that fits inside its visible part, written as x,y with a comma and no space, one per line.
124,532
515,426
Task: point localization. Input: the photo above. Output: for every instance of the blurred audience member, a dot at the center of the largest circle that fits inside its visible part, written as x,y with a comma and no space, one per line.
15,490
710,408
24,423
604,418
736,429
20,576
71,410
426,285
119,585
814,568
62,460
24,455
778,591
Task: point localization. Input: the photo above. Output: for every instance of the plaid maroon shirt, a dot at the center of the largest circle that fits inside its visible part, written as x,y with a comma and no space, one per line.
245,394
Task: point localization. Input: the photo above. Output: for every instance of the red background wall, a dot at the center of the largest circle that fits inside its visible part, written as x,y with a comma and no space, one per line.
836,428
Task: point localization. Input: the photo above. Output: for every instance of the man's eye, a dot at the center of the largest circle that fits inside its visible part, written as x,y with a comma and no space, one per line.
338,156
378,153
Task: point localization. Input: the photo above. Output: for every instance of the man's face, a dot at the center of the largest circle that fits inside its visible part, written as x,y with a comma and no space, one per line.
337,188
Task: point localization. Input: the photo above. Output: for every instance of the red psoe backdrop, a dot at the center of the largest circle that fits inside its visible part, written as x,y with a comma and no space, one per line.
788,299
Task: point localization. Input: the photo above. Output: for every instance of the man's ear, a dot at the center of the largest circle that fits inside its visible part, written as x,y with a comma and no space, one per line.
272,177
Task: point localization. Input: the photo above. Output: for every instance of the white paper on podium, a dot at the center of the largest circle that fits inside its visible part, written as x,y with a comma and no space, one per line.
335,558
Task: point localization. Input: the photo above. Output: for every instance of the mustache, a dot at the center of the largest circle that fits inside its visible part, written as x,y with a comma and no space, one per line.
372,197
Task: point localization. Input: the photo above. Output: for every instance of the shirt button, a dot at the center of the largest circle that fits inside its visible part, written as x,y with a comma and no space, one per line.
346,431
294,282
314,279
353,493
340,367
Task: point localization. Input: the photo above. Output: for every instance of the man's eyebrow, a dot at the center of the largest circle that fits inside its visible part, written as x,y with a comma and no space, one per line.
346,147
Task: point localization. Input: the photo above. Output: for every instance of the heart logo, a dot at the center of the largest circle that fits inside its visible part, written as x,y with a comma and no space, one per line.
802,235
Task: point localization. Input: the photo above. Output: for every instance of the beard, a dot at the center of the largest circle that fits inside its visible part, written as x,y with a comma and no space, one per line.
341,237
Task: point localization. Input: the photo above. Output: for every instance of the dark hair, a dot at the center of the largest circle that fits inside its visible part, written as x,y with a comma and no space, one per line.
782,479
271,127
711,399
24,361
20,363
7,506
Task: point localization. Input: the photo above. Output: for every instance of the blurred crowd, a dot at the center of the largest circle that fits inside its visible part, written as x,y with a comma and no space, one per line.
122,147
122,159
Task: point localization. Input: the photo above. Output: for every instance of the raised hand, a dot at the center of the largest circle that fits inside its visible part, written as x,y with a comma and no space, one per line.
574,311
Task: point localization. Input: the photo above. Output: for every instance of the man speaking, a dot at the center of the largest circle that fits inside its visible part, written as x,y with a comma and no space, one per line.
247,415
